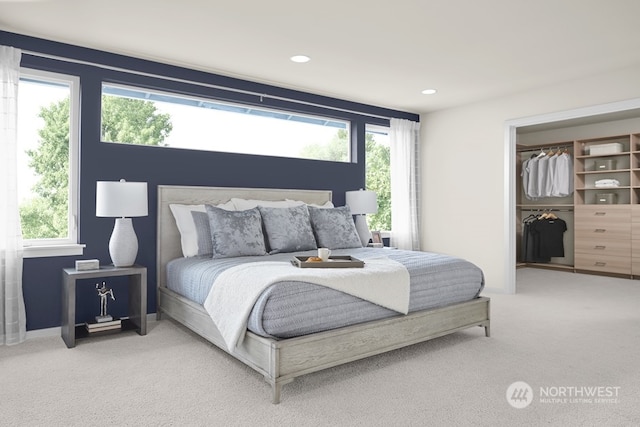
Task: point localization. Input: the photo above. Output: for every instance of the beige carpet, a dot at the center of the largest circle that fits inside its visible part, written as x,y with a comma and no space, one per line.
561,331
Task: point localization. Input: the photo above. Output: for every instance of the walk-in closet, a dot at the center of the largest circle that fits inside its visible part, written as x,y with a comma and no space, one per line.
590,224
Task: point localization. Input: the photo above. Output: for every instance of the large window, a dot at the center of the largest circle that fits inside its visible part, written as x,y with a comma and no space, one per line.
139,116
378,170
48,106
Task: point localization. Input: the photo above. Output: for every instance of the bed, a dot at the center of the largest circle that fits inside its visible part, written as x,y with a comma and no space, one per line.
281,356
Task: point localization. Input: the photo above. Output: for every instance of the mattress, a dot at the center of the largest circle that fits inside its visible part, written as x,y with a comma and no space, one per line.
290,309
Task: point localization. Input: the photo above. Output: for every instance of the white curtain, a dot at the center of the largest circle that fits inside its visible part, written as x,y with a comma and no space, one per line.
404,138
12,312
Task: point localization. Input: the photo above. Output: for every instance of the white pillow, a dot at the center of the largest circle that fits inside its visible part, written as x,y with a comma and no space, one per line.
325,205
244,204
187,227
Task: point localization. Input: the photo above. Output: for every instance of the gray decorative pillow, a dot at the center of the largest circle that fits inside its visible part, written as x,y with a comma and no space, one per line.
288,229
334,228
235,233
203,233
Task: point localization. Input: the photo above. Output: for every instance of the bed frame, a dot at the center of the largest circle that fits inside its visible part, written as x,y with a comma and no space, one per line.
281,361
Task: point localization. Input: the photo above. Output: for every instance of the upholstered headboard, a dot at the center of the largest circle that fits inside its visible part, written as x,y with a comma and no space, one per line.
168,237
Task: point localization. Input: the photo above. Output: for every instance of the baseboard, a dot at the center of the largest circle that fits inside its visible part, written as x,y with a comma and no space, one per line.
56,332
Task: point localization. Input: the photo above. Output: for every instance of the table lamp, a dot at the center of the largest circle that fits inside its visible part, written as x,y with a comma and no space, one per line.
362,202
122,199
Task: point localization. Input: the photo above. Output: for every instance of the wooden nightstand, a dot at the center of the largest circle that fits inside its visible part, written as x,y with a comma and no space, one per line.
137,299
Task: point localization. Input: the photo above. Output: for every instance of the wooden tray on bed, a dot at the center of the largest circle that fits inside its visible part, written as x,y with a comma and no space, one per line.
336,261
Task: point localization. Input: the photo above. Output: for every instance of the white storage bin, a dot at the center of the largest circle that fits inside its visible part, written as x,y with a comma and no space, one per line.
602,149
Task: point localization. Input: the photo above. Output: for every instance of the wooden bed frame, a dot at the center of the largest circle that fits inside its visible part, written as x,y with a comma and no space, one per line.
281,361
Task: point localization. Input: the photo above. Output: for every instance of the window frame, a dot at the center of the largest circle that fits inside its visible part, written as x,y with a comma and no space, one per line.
201,98
36,248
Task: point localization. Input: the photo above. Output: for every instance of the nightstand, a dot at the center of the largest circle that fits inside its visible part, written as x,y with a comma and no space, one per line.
137,299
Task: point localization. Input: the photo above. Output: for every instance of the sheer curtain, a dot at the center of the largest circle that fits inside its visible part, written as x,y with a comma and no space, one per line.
12,312
404,139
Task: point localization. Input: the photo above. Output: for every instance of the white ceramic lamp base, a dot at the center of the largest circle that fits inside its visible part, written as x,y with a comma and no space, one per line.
363,229
123,245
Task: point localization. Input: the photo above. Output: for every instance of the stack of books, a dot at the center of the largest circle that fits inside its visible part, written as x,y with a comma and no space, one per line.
104,326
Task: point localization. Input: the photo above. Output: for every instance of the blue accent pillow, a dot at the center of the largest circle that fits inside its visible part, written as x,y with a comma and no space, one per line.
235,233
334,228
288,229
203,233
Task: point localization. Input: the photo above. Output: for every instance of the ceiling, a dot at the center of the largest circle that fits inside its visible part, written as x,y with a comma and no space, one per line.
376,52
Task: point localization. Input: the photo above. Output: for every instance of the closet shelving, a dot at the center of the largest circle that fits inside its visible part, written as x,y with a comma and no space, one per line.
587,172
605,236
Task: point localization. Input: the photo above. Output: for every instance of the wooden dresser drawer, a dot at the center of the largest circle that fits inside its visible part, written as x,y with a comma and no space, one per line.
635,213
603,263
595,231
635,230
603,214
608,247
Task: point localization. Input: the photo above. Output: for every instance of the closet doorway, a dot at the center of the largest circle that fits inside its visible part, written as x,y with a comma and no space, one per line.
532,131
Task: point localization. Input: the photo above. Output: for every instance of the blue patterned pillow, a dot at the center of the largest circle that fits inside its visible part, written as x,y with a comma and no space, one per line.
236,233
288,229
203,233
334,228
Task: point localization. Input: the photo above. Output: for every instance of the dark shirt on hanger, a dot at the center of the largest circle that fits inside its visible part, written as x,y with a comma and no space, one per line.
550,234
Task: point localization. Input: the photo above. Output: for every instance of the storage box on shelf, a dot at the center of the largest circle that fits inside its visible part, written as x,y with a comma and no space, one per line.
605,149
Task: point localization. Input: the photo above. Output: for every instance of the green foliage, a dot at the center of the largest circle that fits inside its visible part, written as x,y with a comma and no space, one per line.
42,220
337,150
46,215
133,121
378,171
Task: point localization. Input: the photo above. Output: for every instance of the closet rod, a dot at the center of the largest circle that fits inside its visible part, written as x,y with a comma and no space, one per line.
545,210
543,147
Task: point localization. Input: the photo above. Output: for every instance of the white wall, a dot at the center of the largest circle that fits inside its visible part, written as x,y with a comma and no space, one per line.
463,166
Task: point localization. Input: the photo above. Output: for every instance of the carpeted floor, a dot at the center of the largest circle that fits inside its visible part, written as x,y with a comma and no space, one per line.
563,333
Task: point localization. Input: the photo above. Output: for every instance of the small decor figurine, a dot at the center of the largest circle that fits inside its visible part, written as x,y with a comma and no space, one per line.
103,293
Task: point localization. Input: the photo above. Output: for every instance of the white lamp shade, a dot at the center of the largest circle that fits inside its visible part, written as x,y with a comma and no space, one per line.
362,202
121,199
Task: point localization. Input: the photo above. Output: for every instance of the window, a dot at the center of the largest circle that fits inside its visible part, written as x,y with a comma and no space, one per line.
48,123
139,116
378,175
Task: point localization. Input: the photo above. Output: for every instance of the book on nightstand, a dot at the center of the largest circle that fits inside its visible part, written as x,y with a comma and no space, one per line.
103,326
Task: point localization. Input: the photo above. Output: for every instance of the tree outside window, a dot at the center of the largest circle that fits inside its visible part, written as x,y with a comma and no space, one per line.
44,212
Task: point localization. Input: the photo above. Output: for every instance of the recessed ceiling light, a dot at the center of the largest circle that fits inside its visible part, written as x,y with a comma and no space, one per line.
429,91
300,58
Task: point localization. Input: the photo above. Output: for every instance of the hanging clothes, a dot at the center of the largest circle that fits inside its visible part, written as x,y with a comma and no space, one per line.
547,175
564,176
543,238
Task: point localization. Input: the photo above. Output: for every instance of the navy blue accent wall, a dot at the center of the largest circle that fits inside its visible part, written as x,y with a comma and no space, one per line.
158,165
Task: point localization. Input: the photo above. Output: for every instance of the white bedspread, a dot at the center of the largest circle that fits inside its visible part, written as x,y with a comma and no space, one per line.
381,281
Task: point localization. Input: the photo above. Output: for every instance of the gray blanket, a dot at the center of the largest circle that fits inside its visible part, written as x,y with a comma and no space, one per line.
288,309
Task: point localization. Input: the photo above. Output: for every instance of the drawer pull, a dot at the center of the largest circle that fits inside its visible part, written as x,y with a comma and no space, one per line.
600,230
600,264
599,247
600,213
